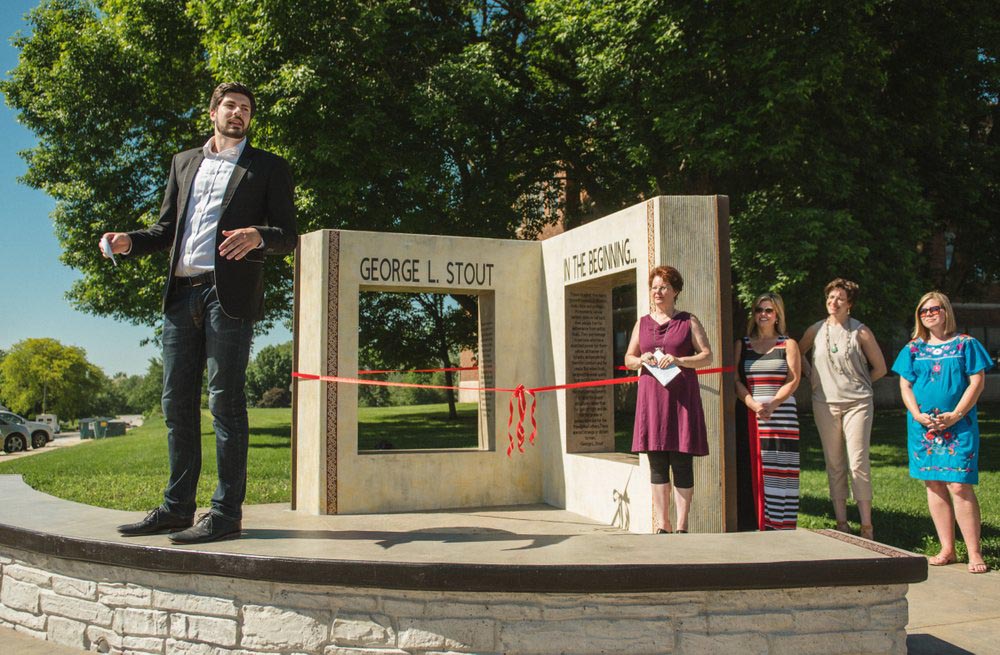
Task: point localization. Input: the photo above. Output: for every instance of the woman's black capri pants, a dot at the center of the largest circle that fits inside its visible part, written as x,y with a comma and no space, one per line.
660,463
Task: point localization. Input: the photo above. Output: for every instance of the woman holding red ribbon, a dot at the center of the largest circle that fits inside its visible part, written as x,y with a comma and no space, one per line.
767,452
669,420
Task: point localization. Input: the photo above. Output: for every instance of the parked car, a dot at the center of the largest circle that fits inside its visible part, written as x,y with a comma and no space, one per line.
40,433
15,436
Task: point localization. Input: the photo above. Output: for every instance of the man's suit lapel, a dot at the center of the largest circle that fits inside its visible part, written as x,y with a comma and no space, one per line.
241,169
184,192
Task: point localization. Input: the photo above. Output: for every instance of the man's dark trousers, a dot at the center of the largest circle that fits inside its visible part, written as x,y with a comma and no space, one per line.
196,331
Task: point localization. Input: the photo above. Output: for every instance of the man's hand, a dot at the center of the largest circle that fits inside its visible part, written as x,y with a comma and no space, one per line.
239,242
120,243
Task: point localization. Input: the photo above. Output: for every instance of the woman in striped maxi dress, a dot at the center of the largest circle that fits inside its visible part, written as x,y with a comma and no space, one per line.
768,369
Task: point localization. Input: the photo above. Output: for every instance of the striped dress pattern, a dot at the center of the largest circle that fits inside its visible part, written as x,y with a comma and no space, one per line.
774,443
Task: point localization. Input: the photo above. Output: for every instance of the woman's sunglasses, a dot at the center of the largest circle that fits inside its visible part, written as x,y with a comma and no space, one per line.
763,310
931,311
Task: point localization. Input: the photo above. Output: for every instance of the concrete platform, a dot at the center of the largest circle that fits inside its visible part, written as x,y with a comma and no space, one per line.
500,580
513,549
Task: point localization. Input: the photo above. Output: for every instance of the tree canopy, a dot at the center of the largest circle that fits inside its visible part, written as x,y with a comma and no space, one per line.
270,369
44,375
850,137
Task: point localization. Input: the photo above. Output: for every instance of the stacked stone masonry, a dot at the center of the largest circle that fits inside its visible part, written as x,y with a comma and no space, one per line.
119,610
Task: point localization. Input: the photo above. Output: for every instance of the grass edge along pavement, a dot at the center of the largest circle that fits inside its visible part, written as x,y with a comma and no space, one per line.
129,472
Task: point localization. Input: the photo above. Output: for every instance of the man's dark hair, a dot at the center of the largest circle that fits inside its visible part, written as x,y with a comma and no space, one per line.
232,87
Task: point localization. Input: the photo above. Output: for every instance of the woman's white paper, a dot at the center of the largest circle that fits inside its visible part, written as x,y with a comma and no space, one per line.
663,375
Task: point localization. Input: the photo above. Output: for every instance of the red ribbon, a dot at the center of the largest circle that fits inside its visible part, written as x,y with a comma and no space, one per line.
418,370
518,397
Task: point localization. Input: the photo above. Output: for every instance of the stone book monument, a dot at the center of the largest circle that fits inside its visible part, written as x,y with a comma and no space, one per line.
545,318
527,578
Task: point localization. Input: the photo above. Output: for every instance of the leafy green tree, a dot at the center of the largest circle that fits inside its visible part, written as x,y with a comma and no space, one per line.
851,138
270,369
112,90
829,127
44,375
143,392
395,116
416,330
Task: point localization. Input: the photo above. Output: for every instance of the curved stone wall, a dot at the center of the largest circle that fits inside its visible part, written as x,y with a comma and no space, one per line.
109,608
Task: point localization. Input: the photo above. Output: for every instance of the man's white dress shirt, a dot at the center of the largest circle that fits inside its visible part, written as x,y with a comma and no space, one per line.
204,209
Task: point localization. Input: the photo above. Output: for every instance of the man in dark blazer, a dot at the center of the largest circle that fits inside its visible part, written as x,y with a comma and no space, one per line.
225,206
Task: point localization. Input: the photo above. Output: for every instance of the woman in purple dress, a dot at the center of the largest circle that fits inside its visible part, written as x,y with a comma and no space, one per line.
669,421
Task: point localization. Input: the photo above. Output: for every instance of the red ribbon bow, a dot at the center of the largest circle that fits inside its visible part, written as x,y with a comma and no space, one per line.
519,395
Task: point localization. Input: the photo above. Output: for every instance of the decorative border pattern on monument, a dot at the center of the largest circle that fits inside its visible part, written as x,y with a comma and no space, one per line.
332,353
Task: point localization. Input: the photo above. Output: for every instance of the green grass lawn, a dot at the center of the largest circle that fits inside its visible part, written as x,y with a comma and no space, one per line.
129,472
900,514
418,426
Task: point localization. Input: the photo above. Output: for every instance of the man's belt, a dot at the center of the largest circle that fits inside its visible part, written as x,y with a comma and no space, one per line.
196,280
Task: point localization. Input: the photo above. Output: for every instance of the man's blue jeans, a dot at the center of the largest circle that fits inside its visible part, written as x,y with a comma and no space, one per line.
196,331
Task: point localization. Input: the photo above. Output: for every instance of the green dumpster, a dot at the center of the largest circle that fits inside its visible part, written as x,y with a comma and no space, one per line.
100,429
86,428
116,428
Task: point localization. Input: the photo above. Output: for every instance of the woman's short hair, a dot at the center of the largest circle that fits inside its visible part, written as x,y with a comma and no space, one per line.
779,313
950,325
668,273
850,288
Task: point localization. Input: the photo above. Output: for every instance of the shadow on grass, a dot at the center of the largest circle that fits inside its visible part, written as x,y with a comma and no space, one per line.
278,432
388,539
418,428
268,446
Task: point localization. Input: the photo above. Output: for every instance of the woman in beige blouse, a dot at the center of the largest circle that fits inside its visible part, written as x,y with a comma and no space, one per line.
846,361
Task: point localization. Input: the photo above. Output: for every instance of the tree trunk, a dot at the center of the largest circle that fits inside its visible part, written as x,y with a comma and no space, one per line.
449,381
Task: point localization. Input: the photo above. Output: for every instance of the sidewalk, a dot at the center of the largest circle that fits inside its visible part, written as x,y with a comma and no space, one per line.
954,612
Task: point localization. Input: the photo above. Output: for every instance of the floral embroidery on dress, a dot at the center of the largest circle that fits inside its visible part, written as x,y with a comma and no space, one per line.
968,467
920,350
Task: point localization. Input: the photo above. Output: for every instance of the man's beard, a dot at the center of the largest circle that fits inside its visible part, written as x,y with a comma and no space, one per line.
231,131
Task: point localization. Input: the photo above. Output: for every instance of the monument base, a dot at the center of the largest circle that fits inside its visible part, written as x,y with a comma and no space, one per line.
501,580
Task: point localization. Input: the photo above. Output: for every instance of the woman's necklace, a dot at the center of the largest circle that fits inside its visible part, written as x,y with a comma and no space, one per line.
833,348
666,316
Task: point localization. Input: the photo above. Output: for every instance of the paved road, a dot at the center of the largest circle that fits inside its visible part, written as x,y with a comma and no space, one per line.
62,440
66,439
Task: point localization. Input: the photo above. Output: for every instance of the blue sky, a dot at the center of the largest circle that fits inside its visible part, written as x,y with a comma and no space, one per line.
33,282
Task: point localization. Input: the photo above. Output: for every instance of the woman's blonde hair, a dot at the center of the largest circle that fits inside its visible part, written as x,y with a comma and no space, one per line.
950,326
779,313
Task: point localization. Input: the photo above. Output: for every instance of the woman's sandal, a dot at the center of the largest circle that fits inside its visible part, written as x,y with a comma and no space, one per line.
978,567
942,560
662,531
867,532
843,526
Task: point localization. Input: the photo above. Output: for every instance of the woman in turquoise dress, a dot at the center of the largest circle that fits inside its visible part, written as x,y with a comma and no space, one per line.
941,375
